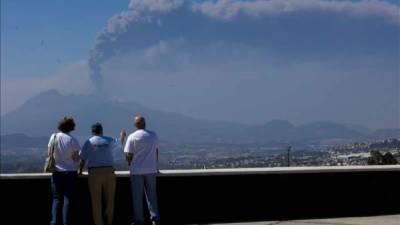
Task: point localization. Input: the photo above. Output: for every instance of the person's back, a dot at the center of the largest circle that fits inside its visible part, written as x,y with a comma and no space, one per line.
145,144
65,150
98,151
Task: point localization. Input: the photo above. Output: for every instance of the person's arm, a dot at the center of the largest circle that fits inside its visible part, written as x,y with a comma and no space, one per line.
122,136
128,150
157,155
77,149
129,157
158,169
48,151
50,145
81,166
83,155
116,144
75,156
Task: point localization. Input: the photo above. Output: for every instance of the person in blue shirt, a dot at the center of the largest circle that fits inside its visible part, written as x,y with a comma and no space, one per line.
97,153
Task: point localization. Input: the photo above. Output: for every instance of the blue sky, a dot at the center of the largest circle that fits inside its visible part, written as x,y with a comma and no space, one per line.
41,34
226,59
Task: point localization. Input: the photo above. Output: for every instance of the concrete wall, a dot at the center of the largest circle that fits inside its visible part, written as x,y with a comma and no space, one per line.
211,196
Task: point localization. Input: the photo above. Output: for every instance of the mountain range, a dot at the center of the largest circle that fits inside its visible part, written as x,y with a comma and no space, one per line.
38,117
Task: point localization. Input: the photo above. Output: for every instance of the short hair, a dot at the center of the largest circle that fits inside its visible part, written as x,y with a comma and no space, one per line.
97,128
66,124
140,122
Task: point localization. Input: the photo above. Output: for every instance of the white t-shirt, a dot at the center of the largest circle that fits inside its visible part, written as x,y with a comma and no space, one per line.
143,144
64,148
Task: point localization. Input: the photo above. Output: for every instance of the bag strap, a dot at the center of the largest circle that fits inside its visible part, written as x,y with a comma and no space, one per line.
53,145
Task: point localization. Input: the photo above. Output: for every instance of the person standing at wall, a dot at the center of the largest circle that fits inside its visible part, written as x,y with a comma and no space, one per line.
64,178
98,153
141,151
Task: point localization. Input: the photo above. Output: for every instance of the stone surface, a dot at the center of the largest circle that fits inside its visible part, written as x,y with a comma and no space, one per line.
371,220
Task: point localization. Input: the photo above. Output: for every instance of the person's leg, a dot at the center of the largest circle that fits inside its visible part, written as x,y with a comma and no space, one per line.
57,198
95,186
137,184
109,193
150,185
70,180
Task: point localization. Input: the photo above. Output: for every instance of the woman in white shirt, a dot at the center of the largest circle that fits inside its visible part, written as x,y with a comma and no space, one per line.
64,179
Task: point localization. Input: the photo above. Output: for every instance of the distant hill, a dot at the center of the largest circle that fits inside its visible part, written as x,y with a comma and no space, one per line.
275,130
23,141
282,130
359,128
385,134
39,115
326,130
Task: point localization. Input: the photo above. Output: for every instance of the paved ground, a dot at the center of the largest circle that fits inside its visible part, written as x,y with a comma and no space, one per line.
373,220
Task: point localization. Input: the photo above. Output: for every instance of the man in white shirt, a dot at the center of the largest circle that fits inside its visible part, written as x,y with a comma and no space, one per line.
141,151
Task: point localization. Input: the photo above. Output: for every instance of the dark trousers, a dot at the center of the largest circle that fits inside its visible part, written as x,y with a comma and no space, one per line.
63,186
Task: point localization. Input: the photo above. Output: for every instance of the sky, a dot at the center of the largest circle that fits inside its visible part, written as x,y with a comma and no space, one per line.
234,60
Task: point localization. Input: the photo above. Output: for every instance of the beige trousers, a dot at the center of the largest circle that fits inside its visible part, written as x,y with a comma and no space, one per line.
102,183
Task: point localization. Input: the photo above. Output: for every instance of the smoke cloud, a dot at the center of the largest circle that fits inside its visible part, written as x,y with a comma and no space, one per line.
147,23
108,42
